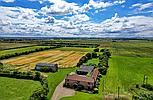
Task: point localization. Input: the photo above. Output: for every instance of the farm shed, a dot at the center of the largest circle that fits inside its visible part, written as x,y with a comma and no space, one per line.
46,67
84,70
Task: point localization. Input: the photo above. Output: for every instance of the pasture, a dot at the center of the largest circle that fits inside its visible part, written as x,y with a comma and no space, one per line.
130,61
17,89
139,48
125,72
63,58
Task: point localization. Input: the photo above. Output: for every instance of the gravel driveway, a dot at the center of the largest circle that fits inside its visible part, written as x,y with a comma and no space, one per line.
61,91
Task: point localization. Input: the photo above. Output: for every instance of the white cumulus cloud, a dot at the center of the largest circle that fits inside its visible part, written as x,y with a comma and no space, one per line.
8,0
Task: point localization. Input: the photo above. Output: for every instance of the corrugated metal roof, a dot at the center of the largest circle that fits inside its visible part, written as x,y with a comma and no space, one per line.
85,68
45,64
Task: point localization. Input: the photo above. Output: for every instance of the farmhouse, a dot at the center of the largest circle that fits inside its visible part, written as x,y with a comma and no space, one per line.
85,78
46,67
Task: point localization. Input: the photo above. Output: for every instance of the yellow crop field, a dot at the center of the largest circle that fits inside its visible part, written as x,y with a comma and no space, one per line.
63,58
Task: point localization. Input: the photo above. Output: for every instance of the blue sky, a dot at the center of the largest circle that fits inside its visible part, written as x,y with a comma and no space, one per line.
76,18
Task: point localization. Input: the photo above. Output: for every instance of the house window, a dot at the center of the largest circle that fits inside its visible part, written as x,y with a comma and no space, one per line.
68,84
89,88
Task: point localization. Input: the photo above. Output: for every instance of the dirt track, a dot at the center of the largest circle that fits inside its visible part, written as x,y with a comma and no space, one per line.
60,92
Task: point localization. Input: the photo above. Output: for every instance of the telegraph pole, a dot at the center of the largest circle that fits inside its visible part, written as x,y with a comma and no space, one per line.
103,88
118,93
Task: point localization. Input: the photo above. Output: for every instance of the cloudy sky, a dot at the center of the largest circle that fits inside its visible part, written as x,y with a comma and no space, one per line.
76,18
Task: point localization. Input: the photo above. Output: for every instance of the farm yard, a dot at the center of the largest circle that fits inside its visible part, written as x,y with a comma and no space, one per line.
17,89
63,58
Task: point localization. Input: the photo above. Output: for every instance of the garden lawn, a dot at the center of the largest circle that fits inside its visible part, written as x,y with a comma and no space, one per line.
17,89
54,79
93,61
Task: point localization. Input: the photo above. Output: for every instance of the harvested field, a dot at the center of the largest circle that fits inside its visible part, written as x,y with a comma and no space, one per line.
63,58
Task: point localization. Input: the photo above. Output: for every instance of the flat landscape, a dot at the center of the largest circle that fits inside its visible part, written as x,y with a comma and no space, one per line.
130,61
65,57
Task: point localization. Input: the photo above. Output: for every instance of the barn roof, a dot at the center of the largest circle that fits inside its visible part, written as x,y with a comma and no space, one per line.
45,64
85,68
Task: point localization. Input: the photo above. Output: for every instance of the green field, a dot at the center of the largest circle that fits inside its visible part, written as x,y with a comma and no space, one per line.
129,63
127,71
20,50
75,49
17,89
13,45
133,48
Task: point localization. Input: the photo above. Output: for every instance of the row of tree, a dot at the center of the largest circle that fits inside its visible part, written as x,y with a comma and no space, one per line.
70,44
86,57
25,52
21,75
99,50
41,93
103,61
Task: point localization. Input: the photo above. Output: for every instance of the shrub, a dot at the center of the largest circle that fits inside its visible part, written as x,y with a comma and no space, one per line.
102,50
96,50
143,96
148,87
94,55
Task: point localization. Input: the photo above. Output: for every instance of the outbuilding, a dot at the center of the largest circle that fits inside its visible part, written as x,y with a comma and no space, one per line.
46,67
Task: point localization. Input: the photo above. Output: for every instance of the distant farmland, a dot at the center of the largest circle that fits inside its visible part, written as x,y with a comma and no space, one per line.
63,58
4,46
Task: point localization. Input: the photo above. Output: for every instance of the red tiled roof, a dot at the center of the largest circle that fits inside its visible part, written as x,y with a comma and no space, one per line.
76,77
95,73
